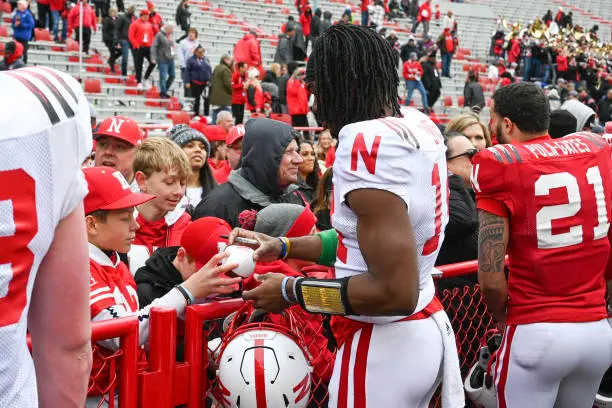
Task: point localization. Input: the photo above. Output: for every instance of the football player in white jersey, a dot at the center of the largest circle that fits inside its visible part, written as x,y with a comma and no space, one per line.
45,134
389,211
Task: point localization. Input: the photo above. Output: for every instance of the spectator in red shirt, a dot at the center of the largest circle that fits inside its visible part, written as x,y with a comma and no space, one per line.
423,16
89,23
239,91
141,36
57,10
297,98
305,20
413,72
247,49
155,18
254,93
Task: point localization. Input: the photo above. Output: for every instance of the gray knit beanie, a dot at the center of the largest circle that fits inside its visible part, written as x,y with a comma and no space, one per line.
183,134
277,219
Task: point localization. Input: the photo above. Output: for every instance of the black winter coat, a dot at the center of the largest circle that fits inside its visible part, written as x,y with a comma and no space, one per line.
461,233
431,76
158,276
183,17
123,26
109,33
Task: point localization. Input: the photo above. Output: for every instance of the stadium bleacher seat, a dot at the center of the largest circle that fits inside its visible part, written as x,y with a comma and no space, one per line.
3,31
460,100
92,85
42,35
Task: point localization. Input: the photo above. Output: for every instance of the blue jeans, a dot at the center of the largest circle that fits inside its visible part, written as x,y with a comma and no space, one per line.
536,70
166,76
125,54
216,111
446,64
364,18
527,68
56,16
411,85
547,74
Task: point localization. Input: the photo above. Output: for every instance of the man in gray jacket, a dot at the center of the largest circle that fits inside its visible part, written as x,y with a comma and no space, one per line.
284,49
162,53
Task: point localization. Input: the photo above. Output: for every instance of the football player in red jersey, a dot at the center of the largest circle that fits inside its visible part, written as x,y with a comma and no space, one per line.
546,203
390,210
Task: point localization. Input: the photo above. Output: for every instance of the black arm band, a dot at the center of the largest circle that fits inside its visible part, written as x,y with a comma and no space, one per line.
329,296
188,297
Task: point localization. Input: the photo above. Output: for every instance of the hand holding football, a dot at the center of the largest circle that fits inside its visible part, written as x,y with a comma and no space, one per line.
243,256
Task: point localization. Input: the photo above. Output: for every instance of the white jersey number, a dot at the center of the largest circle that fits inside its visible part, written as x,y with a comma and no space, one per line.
547,214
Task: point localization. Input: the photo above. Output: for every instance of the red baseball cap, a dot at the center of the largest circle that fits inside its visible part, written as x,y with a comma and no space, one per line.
236,133
215,133
144,12
121,127
202,237
109,190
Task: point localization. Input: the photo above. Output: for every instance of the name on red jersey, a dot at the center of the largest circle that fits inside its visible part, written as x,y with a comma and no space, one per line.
559,147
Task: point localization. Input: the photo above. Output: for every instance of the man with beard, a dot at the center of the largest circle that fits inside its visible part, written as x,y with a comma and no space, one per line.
545,203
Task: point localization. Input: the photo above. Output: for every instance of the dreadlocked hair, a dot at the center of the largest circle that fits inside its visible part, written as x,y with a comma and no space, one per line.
355,77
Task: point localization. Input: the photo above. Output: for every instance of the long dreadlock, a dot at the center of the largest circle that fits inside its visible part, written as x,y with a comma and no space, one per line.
355,77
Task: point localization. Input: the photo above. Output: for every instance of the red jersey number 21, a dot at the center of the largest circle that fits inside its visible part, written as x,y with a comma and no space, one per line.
18,227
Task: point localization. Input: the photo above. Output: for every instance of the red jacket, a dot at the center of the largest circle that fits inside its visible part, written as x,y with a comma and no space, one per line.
515,51
424,13
160,234
305,21
57,5
141,34
562,63
221,174
156,21
411,70
259,101
364,5
297,97
89,18
247,50
238,91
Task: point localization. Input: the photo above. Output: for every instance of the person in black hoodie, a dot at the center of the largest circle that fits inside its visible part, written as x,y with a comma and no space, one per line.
315,25
326,22
268,173
171,266
122,29
109,37
431,79
183,19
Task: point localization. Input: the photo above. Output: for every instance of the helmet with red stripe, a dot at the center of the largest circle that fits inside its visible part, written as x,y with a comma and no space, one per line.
263,364
479,385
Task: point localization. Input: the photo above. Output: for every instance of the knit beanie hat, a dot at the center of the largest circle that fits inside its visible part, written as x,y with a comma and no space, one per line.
285,220
183,134
562,123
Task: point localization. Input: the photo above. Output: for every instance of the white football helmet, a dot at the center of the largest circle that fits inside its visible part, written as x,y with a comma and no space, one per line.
479,385
603,398
263,364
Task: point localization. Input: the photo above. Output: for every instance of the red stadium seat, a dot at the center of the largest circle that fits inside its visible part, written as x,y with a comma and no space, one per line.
1,49
152,93
460,100
255,115
466,67
174,104
281,117
72,45
448,101
279,2
93,85
3,31
131,85
6,7
42,34
180,118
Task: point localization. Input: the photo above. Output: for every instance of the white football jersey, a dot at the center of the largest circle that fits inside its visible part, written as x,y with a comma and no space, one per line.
45,135
405,156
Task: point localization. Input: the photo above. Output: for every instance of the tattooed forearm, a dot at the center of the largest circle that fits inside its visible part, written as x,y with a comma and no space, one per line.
491,243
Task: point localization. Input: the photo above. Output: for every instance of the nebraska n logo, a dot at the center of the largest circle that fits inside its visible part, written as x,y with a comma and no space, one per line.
37,91
115,125
302,389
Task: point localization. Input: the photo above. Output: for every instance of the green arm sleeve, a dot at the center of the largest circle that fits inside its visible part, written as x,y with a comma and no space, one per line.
329,244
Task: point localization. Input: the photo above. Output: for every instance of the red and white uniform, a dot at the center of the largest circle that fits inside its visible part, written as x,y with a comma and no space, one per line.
41,183
556,194
112,294
405,156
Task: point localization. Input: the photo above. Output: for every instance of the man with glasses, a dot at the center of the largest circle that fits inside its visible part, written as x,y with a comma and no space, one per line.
268,172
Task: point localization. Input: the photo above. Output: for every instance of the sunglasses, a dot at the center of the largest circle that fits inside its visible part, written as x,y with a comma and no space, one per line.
469,153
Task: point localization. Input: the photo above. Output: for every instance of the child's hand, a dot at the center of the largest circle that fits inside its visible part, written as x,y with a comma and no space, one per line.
207,280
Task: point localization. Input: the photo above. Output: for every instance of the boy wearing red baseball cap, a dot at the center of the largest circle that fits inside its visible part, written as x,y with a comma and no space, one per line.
111,228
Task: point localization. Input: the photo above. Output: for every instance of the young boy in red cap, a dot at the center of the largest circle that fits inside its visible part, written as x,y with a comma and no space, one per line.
161,168
111,227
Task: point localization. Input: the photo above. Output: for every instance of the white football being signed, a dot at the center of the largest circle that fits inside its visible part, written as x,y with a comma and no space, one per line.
243,256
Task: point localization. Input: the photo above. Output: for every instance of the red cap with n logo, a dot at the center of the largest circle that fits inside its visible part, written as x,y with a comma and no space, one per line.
121,127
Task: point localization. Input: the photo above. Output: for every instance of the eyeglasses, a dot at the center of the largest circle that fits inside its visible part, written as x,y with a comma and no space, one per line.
469,153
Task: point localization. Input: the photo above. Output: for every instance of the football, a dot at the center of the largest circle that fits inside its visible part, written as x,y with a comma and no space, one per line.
243,256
